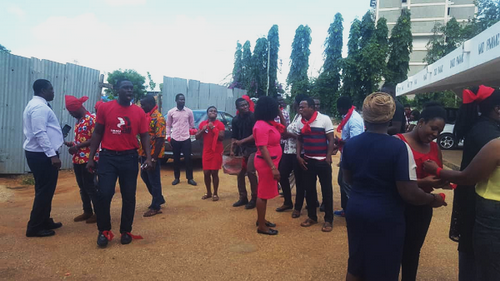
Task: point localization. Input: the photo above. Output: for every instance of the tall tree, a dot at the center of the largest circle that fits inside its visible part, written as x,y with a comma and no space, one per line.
327,85
3,49
350,74
299,61
274,47
238,68
445,39
246,62
131,75
400,47
381,35
258,85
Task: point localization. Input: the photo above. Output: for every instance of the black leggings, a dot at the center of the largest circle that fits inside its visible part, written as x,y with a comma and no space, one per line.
418,219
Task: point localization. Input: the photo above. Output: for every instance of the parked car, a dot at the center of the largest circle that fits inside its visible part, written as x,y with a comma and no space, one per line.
197,145
447,139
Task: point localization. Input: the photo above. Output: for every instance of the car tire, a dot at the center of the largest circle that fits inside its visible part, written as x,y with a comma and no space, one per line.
447,141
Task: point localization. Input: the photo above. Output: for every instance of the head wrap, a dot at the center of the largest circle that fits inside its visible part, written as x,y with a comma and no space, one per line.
378,108
73,103
97,104
482,93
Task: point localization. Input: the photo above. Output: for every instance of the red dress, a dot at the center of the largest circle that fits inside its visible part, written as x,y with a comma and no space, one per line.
420,158
212,147
268,135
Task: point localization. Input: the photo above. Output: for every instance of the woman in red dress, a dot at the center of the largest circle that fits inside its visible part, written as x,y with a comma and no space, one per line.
212,131
267,135
418,218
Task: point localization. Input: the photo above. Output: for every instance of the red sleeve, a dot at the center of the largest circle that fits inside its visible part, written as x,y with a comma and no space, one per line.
220,126
143,122
202,124
260,134
101,114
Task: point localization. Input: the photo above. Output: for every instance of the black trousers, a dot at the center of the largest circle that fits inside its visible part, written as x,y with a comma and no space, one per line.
125,168
300,189
418,219
287,163
345,189
185,148
45,185
323,171
88,190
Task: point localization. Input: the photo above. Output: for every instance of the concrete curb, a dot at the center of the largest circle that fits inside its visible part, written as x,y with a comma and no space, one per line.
451,165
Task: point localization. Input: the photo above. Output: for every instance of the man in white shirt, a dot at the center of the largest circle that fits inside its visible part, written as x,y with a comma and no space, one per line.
43,139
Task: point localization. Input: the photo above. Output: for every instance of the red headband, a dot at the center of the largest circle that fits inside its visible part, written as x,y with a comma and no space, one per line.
482,94
73,103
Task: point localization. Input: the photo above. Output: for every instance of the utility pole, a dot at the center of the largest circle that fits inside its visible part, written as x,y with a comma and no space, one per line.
268,61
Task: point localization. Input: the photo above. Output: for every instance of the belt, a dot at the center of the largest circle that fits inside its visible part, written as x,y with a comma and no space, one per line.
272,157
115,152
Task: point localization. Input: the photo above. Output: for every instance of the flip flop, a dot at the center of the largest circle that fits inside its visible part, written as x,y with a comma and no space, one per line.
216,197
206,196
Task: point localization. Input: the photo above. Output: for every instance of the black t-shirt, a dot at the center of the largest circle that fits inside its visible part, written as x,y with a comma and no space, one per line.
242,127
399,115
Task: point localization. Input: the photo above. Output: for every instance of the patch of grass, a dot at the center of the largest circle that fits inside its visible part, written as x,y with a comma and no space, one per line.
28,180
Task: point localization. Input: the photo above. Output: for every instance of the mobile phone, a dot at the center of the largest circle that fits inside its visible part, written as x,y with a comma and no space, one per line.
65,130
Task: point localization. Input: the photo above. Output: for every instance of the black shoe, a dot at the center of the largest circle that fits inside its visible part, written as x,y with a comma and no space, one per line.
284,208
41,233
126,238
269,232
250,204
240,202
268,224
102,241
53,225
192,182
176,181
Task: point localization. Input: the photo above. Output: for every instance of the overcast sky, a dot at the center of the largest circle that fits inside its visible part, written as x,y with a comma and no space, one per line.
186,39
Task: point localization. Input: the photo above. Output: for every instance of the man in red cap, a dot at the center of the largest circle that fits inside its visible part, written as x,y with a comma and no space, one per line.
80,149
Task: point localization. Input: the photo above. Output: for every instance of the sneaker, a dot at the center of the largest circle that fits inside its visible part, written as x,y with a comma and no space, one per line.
339,213
240,202
251,204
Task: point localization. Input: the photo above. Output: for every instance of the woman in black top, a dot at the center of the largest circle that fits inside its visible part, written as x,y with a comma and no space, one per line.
477,131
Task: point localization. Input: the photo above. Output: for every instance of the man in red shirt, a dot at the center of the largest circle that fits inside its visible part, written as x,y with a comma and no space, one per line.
80,149
118,124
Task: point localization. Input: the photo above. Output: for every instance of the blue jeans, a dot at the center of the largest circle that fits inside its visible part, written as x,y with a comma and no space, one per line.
123,166
152,179
487,239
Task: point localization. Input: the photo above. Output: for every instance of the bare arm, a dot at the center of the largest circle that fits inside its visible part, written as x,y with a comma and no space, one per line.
95,141
302,162
332,147
411,193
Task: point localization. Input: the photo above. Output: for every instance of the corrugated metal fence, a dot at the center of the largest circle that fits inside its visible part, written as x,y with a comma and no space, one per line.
17,75
199,95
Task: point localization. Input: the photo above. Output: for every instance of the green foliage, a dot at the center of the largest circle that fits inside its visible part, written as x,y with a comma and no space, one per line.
152,84
447,98
238,68
3,49
326,86
161,87
258,77
299,61
400,47
274,47
350,74
137,80
445,39
28,180
246,62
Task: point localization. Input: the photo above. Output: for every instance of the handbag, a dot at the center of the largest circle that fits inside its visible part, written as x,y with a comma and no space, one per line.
231,165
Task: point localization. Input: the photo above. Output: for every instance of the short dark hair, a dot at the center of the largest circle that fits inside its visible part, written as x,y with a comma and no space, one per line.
300,97
238,100
40,85
344,102
266,109
310,102
433,110
118,83
415,114
149,98
389,88
211,107
407,105
178,96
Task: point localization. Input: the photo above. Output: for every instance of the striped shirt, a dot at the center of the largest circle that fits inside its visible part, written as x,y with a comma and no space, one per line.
315,143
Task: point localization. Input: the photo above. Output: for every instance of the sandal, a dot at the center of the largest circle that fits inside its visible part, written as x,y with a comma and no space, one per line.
206,196
216,197
327,227
308,222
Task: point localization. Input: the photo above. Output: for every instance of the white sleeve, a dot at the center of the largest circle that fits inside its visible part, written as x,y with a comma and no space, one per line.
39,119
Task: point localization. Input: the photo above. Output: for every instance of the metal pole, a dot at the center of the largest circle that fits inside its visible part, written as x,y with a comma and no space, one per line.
268,61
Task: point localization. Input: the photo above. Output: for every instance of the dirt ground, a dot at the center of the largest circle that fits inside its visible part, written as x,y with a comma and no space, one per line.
191,240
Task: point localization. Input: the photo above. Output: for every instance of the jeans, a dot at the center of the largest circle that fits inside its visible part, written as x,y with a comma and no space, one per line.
418,219
248,169
287,164
323,171
125,168
345,189
487,239
88,191
185,148
45,185
152,179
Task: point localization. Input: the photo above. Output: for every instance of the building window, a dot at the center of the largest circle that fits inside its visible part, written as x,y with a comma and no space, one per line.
404,1
449,9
